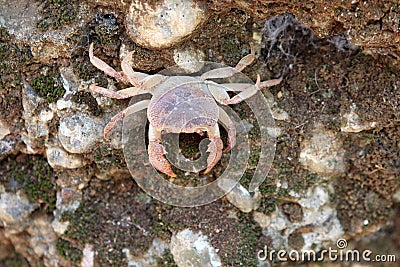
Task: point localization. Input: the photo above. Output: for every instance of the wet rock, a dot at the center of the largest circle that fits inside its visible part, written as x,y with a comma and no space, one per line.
322,153
163,23
239,196
193,249
78,133
149,259
14,208
58,157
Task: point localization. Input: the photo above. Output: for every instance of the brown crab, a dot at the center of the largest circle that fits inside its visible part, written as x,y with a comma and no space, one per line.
180,104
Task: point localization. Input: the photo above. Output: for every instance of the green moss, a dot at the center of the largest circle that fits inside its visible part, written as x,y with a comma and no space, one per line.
49,86
83,71
13,60
35,176
167,260
38,182
106,157
250,234
56,14
268,204
67,251
14,260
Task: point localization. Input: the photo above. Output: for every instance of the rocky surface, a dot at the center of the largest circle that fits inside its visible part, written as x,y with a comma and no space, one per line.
193,249
67,197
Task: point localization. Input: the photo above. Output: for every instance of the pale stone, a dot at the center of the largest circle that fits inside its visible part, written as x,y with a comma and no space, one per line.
353,123
4,130
149,259
322,153
88,256
279,114
190,60
193,249
239,196
46,115
78,133
58,157
163,23
14,208
262,219
20,18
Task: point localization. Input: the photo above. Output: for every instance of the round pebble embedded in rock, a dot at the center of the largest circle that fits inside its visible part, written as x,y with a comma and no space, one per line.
163,23
78,133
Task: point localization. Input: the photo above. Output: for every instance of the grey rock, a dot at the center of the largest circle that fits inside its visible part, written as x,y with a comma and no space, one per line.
88,256
239,196
7,145
20,17
189,59
322,153
68,200
164,23
35,128
353,124
14,208
43,240
317,211
78,133
193,249
4,130
149,259
58,157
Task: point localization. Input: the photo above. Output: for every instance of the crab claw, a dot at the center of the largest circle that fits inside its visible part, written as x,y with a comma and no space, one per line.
215,149
156,153
231,138
158,160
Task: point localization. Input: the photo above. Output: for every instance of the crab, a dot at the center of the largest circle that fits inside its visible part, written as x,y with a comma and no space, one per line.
180,104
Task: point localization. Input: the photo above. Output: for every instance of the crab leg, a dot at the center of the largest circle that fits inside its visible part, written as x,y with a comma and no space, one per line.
227,122
122,94
219,91
129,110
134,77
148,85
235,87
101,65
157,151
214,147
228,71
246,60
